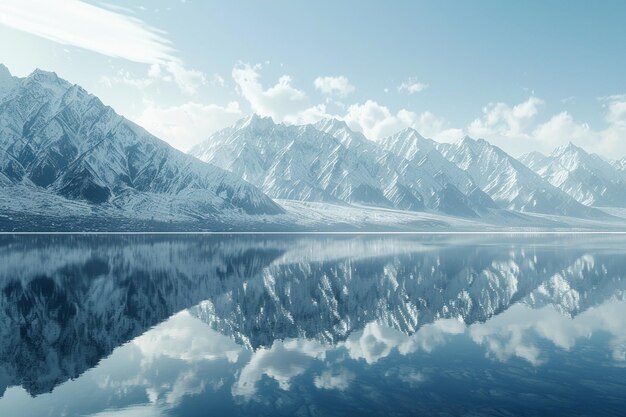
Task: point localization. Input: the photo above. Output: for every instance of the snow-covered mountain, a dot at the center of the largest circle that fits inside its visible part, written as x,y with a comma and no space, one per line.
444,186
509,182
65,155
7,81
329,163
587,177
422,152
302,163
55,136
620,165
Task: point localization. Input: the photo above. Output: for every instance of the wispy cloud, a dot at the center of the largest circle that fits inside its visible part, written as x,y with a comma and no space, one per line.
76,23
412,86
113,31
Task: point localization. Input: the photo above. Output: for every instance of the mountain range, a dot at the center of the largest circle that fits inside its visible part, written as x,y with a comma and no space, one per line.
588,178
65,155
54,136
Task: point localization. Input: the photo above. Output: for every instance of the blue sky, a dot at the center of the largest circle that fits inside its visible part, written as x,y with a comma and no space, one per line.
527,75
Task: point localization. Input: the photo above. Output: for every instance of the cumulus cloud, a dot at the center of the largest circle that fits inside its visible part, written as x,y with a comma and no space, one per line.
188,124
518,331
375,341
186,338
499,119
309,115
281,362
561,128
516,129
334,86
376,121
277,101
412,86
339,380
282,102
112,32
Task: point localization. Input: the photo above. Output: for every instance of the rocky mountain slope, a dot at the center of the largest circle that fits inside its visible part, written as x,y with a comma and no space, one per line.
510,183
55,136
588,178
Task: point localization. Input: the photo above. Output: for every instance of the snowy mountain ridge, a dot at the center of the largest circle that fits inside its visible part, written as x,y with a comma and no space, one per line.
328,162
588,178
509,182
64,153
57,137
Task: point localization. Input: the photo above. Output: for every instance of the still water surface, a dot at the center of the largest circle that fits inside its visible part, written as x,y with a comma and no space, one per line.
312,326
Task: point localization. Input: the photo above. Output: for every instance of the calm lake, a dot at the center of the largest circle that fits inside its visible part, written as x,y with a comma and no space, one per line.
174,325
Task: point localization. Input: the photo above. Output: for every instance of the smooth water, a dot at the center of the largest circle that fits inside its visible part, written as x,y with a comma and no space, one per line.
308,326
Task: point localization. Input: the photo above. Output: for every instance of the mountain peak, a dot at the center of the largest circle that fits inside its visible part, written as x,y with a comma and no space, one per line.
255,121
43,74
7,81
409,132
568,147
468,141
47,78
4,72
331,123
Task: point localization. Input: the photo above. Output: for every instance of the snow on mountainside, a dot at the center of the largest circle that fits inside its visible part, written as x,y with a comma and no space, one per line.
55,136
446,188
301,163
620,165
509,182
409,144
7,81
327,163
587,177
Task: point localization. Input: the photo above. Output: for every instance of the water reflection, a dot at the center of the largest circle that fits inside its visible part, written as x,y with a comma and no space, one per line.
150,325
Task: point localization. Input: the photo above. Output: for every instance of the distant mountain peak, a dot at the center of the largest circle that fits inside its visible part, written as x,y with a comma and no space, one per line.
78,148
331,123
7,81
4,72
568,147
409,132
255,121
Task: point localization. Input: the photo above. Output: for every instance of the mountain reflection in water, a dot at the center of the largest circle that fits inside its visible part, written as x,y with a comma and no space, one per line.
294,325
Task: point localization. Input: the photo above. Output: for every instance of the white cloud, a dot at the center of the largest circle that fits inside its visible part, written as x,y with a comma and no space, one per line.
187,80
188,124
506,126
282,362
80,24
126,78
518,331
559,129
376,122
339,380
499,119
113,32
310,115
282,102
376,341
186,338
608,141
334,86
278,101
412,86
